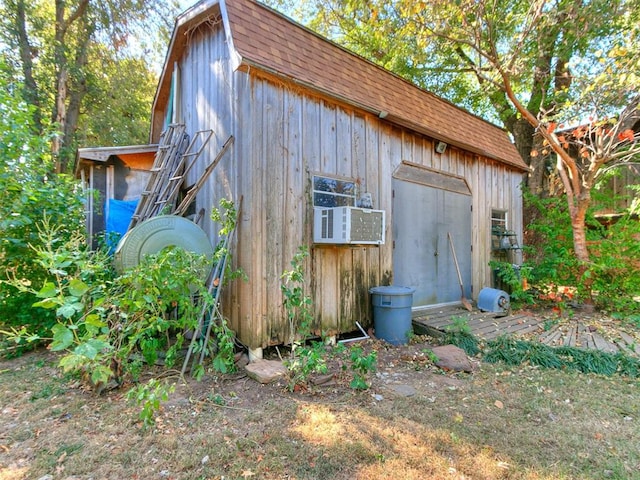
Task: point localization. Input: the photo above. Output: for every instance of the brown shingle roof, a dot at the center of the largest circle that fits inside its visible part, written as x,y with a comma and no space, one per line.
270,41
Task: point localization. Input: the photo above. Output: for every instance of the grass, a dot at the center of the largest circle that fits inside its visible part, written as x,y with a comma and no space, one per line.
501,422
516,352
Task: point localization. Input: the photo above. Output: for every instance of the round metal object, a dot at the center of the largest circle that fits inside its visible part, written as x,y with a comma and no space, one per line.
156,233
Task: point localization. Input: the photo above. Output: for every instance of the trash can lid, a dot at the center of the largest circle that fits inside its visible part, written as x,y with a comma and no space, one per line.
156,233
392,290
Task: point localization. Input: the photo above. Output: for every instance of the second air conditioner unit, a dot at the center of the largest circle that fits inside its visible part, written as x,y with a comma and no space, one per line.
350,225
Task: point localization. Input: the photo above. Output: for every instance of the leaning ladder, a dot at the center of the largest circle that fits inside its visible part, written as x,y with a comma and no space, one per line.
211,312
175,157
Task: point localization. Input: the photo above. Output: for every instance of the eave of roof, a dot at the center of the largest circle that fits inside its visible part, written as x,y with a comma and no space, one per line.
102,154
297,54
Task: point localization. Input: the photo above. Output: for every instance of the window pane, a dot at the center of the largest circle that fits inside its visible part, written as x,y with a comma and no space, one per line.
324,200
331,192
324,184
498,220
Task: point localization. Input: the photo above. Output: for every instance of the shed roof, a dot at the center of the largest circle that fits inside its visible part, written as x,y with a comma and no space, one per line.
262,38
139,157
102,154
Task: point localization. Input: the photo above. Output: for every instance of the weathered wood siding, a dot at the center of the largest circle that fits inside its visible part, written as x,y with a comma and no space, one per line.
283,135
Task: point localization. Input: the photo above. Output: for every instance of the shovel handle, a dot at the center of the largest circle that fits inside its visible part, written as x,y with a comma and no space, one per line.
455,258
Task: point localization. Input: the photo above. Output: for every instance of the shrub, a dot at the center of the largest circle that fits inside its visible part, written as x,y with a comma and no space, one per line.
610,280
29,192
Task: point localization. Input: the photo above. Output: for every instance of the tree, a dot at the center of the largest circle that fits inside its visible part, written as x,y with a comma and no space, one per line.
54,47
543,65
117,110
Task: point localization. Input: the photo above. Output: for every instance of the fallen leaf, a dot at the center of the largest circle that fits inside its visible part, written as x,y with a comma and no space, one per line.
499,404
247,474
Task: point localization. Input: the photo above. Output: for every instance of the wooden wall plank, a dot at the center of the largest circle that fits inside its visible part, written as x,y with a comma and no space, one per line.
360,265
273,204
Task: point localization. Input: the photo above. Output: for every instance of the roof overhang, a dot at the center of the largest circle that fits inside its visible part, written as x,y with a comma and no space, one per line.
137,157
102,154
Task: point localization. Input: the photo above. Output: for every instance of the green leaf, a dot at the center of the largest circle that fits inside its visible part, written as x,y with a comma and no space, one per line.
48,303
62,337
198,372
77,287
91,348
101,374
99,345
71,362
219,365
94,320
94,323
48,290
86,350
67,310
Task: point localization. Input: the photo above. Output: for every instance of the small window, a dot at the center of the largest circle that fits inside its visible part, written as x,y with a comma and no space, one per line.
498,221
333,192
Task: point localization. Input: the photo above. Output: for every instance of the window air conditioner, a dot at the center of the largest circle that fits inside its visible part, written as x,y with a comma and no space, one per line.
348,225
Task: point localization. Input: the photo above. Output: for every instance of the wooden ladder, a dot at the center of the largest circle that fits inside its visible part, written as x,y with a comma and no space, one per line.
175,157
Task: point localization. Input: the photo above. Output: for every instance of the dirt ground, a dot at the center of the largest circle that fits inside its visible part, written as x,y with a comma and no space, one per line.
415,421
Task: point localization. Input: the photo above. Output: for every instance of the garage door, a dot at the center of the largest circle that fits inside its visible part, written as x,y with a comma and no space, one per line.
423,215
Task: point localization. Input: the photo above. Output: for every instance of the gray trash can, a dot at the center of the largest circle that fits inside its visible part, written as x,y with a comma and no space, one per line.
392,313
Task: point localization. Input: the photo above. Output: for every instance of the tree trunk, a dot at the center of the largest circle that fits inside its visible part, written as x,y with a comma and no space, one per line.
523,134
75,96
61,146
26,56
578,224
60,116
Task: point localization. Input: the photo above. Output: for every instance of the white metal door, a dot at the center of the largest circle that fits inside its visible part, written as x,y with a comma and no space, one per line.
422,258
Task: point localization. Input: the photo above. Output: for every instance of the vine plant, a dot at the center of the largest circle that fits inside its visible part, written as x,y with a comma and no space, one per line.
312,358
297,304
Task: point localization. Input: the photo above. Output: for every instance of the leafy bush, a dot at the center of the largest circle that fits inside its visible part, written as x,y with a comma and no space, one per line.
29,192
616,262
309,359
361,365
297,303
150,396
515,277
549,245
108,328
610,280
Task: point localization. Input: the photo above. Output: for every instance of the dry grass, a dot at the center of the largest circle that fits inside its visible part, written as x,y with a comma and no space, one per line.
496,423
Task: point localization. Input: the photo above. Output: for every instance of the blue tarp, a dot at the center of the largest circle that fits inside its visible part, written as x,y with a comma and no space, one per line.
120,213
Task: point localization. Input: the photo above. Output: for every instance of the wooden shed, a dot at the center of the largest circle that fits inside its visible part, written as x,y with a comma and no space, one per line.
111,174
321,131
